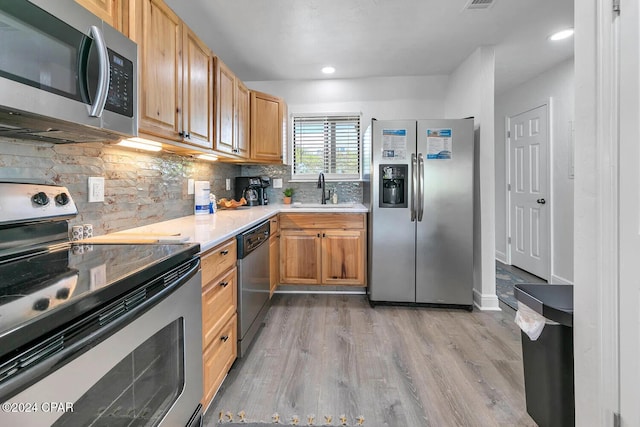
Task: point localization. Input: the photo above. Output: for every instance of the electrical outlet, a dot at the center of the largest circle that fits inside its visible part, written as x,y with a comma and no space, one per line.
98,276
277,183
96,189
227,184
191,186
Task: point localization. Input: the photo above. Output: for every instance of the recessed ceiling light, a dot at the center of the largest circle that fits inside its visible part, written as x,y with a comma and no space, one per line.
328,70
560,35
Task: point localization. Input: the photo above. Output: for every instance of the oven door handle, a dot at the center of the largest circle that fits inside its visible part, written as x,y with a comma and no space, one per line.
84,335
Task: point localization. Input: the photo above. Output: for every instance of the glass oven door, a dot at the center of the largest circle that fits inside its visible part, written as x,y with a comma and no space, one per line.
148,373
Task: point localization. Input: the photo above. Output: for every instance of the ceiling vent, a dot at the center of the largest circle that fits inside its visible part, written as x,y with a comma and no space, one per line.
479,4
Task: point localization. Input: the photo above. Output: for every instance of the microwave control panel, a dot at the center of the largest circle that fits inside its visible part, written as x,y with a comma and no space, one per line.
120,98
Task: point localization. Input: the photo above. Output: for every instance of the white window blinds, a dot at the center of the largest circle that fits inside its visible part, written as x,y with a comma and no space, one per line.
328,144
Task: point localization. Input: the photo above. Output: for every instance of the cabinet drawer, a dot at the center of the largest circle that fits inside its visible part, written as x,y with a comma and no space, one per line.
218,358
219,301
315,220
217,260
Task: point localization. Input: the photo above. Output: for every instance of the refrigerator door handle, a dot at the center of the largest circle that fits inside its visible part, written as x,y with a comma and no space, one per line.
420,187
414,184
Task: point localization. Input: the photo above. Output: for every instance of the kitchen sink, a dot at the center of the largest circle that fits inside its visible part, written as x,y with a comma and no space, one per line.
327,206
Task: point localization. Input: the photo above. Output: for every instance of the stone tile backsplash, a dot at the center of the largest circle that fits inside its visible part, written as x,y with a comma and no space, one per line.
305,192
140,188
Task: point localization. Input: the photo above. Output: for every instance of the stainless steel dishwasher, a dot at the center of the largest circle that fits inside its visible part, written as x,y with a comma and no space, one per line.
253,283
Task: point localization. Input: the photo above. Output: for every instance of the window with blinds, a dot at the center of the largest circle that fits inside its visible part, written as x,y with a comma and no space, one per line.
328,144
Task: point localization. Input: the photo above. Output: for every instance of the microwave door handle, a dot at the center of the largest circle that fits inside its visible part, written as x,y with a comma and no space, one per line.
414,183
420,187
100,98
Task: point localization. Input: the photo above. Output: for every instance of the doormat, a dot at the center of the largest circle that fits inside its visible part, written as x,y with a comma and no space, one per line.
505,280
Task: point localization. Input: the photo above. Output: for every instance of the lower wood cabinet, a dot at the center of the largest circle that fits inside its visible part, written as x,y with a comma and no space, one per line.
274,255
219,318
323,249
218,358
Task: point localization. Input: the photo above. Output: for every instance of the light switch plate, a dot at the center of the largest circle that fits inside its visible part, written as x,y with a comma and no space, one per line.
191,186
277,183
96,189
227,184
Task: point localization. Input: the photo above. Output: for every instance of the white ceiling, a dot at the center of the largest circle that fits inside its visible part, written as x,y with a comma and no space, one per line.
293,39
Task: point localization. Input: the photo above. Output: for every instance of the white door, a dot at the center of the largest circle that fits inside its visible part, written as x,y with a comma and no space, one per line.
529,196
629,214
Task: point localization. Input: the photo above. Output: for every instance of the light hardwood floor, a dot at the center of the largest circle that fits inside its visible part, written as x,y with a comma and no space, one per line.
395,366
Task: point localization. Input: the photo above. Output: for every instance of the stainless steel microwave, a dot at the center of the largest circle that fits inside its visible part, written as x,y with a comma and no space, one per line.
65,75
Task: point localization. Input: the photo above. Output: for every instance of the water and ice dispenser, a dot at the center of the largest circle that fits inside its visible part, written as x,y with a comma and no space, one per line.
393,186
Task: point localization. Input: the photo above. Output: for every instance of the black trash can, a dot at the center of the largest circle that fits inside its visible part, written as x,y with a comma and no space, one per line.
548,361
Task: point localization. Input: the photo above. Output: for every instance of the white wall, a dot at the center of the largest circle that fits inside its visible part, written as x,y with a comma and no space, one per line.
384,98
471,93
555,85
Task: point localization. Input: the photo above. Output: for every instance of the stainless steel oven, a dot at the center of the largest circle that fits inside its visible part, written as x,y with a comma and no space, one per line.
65,75
95,334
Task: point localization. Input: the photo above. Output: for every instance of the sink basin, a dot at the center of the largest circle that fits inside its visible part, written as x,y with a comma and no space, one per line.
327,206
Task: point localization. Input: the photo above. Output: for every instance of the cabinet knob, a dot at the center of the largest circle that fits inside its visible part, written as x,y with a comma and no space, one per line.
224,284
224,338
181,134
225,252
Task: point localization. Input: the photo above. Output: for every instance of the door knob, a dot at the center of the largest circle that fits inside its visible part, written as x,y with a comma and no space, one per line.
541,201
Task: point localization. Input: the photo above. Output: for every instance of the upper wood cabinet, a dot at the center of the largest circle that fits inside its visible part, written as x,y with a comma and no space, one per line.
176,76
197,94
232,97
113,12
242,119
268,113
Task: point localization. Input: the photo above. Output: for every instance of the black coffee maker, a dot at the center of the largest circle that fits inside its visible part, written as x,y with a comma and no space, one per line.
253,189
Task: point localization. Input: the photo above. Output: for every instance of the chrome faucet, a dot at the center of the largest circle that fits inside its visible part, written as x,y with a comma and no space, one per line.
324,197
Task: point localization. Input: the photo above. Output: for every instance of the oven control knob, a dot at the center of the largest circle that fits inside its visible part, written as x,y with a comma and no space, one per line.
41,305
40,199
63,293
62,199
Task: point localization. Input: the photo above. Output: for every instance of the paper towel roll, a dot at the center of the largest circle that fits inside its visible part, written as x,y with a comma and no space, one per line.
201,197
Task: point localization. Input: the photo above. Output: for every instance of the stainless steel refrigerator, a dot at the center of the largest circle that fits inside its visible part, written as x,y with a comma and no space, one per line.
421,216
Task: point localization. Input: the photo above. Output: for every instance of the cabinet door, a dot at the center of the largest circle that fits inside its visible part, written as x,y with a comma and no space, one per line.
158,32
225,95
266,127
242,123
300,252
343,257
197,85
274,263
113,12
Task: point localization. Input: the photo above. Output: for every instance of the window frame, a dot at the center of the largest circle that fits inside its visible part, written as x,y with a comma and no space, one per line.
313,177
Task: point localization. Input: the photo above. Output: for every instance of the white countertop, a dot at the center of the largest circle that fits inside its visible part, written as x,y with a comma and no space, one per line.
211,230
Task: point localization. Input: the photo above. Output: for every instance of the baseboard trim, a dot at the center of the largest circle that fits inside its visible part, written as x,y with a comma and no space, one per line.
486,302
334,292
560,280
502,257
